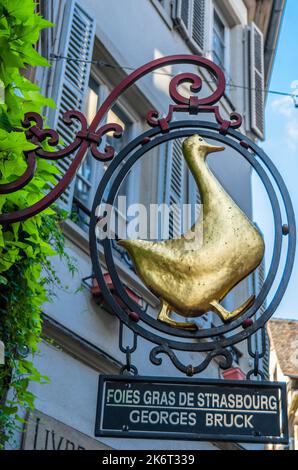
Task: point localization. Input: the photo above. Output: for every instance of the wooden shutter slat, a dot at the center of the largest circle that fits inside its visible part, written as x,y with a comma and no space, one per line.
191,17
256,70
198,23
176,190
181,16
185,12
70,78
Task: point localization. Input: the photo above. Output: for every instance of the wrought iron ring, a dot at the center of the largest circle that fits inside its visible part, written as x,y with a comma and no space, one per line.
240,144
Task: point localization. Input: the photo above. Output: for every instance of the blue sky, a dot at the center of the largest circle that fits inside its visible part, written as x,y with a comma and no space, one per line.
281,143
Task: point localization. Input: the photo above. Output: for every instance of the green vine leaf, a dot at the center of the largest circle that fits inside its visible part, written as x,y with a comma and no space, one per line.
26,248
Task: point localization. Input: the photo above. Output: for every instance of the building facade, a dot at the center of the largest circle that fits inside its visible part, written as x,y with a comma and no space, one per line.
93,45
283,336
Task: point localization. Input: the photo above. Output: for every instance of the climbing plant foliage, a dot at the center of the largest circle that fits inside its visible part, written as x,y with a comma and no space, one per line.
26,248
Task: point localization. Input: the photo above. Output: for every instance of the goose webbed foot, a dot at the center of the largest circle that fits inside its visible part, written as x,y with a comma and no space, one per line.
226,315
164,316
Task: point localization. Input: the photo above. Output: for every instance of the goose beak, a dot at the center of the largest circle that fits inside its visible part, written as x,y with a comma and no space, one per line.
215,148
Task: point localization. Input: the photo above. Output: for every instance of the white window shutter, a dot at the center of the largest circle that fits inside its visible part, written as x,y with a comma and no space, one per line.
259,279
199,13
182,16
191,18
71,78
256,71
175,186
194,198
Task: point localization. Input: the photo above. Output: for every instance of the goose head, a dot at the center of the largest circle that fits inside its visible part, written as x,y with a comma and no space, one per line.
195,147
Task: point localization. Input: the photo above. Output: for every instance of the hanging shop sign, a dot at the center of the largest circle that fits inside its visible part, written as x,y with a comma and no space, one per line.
223,410
188,276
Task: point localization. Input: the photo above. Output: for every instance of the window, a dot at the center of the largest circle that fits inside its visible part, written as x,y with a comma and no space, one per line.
218,41
192,21
116,115
179,188
256,79
119,116
68,80
83,179
221,45
90,170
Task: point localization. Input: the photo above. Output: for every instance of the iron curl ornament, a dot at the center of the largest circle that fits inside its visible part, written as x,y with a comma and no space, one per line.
213,341
92,136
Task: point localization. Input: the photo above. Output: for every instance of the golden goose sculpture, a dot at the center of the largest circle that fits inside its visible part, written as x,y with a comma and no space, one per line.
191,275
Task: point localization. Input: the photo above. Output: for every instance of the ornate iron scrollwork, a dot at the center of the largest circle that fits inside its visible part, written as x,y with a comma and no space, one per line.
194,105
190,370
37,135
92,136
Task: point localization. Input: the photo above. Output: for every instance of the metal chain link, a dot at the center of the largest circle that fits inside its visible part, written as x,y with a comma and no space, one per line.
127,350
256,355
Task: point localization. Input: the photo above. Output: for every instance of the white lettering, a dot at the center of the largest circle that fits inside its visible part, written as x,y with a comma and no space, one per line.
221,420
236,421
248,421
174,418
200,399
272,403
209,419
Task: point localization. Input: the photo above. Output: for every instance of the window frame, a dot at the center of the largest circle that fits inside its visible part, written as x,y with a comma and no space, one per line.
227,38
98,168
133,125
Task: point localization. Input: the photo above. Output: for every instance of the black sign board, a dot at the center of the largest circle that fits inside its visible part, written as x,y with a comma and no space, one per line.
192,409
